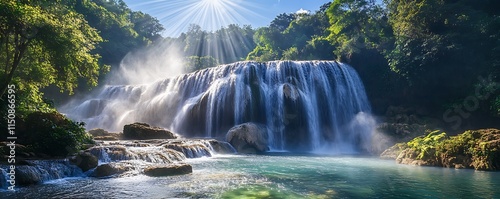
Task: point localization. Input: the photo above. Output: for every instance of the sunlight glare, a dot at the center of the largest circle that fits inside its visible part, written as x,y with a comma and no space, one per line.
211,15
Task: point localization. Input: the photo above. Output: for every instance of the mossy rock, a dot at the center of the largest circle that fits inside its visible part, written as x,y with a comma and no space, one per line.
259,191
478,149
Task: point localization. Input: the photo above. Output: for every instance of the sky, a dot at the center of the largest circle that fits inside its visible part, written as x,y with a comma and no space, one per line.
177,15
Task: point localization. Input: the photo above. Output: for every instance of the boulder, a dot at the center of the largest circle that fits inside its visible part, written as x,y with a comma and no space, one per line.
394,151
84,161
101,134
221,147
27,175
112,168
98,132
143,131
248,138
168,170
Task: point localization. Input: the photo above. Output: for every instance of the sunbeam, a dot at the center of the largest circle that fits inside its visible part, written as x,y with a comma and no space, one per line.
211,15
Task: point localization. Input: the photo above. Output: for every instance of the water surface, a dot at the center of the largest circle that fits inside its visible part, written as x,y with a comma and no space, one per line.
278,176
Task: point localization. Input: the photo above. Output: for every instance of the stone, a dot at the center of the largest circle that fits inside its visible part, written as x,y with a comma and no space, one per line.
248,138
98,132
113,168
85,161
168,170
101,134
143,131
221,147
27,175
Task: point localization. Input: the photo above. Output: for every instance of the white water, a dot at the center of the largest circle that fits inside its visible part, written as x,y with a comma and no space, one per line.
306,105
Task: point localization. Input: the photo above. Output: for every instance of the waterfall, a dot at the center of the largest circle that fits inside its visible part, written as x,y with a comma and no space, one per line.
306,105
38,171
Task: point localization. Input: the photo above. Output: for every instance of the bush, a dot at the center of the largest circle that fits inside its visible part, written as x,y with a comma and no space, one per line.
54,134
478,149
425,146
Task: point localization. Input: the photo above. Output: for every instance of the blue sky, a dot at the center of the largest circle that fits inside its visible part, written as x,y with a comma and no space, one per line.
176,15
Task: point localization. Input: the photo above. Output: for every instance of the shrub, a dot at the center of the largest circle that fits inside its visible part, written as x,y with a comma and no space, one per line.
54,134
425,146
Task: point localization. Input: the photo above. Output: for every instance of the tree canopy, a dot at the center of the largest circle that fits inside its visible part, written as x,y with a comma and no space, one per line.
46,43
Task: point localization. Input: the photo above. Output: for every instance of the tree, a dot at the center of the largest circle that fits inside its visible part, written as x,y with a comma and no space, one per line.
46,43
282,21
358,25
442,47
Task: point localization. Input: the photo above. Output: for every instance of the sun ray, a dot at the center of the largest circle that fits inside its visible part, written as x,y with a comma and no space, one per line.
211,15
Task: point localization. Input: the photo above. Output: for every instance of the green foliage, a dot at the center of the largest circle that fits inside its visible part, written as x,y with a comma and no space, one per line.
295,37
357,25
122,29
495,106
291,54
45,43
441,47
53,134
425,146
479,149
194,63
227,45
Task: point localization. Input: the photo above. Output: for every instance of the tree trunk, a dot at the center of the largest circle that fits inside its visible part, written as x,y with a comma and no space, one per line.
17,60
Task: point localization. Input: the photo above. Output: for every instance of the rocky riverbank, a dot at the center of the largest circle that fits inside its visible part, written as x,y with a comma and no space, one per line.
475,149
140,149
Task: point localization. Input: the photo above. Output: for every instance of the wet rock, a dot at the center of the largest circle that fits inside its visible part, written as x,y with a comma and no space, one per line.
155,154
27,175
113,168
221,147
84,161
142,131
394,151
476,149
98,132
190,148
168,170
101,134
248,138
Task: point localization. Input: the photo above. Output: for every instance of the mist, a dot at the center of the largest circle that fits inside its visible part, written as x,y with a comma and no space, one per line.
153,63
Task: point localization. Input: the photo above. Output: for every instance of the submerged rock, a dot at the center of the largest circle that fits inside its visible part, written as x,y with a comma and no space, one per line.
38,171
142,131
168,170
248,138
84,161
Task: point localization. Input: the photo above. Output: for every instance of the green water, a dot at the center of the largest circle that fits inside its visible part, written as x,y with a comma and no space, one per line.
282,177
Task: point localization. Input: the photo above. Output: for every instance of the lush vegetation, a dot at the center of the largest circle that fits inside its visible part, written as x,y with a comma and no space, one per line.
440,56
52,134
65,45
477,149
434,55
204,49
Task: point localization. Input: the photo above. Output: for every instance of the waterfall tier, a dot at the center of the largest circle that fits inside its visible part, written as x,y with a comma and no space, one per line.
305,105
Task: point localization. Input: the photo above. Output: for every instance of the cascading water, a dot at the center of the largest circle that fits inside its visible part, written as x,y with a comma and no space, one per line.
306,105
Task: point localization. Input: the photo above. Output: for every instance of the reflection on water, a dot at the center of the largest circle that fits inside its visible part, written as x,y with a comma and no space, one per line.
282,177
